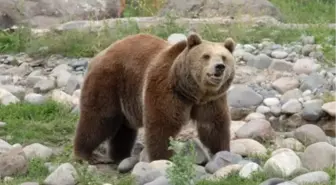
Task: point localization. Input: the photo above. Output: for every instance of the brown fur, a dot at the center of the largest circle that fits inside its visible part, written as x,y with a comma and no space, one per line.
143,81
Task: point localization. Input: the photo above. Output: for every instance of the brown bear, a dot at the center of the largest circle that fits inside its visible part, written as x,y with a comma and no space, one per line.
143,81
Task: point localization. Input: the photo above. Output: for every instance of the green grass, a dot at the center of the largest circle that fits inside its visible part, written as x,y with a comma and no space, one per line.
52,124
307,11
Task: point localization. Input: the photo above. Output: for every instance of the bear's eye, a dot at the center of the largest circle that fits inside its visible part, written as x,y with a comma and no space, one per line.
223,58
206,56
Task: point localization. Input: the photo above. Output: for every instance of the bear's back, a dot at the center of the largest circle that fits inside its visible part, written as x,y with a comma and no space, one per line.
128,59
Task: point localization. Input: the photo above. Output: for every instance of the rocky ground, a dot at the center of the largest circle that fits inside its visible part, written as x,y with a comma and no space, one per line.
282,106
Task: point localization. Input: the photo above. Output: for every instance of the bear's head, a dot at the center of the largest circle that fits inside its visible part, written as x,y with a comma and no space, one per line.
205,68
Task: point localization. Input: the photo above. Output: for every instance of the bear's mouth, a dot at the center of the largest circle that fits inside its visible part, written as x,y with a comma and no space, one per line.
214,79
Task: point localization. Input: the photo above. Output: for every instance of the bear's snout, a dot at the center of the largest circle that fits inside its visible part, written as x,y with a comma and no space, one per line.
219,69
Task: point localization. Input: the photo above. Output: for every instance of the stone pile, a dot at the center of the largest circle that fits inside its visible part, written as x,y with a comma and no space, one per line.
280,102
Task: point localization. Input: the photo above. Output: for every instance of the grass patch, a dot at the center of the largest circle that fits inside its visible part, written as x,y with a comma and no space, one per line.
307,11
49,124
87,44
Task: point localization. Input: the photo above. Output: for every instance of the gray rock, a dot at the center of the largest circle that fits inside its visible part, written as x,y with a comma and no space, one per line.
17,91
307,49
37,150
285,84
263,109
291,94
258,129
65,174
207,9
304,66
312,110
308,40
7,98
281,65
144,173
162,180
312,82
312,178
287,183
309,134
324,151
329,108
4,146
292,106
249,168
243,96
32,80
35,98
271,102
278,54
246,147
222,159
282,163
13,162
62,78
44,86
73,83
127,164
262,61
273,181
276,110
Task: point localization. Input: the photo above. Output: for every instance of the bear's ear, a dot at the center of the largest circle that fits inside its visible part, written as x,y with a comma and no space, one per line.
193,40
230,44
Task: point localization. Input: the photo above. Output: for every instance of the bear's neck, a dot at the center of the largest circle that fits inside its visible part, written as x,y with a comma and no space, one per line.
182,83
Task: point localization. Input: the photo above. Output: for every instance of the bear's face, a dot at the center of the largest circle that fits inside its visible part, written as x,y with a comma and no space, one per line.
211,64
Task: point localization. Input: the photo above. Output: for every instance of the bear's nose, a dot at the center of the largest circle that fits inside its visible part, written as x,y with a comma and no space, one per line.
219,67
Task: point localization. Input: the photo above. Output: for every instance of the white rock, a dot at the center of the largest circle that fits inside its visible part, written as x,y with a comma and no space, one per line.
247,147
2,124
235,125
161,165
62,78
303,66
247,170
292,106
271,101
313,178
226,171
263,109
35,98
330,108
254,115
4,146
37,150
7,98
65,174
283,163
61,97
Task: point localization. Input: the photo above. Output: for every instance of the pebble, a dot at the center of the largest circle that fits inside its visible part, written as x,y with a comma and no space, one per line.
64,174
309,134
37,150
285,84
258,129
330,108
271,101
304,66
243,96
281,65
312,178
254,115
249,168
279,54
222,159
326,156
246,147
312,110
283,163
292,106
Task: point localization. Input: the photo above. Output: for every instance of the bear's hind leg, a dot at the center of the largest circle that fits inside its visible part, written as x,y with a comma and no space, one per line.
121,145
99,107
92,135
